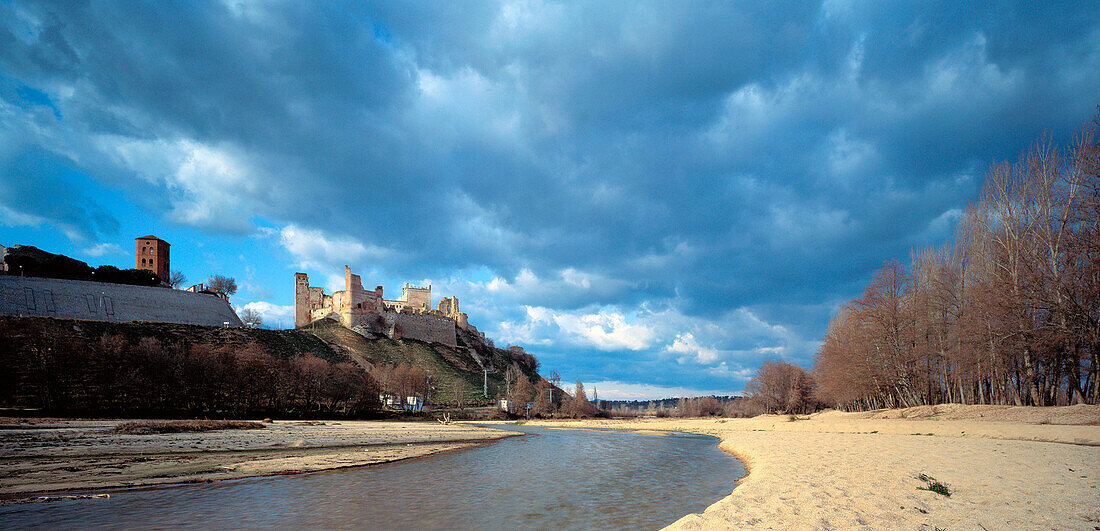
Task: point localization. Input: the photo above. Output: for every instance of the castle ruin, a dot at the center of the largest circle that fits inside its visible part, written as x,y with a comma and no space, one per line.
411,316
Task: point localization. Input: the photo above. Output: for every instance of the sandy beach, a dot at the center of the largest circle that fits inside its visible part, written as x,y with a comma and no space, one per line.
1006,468
62,455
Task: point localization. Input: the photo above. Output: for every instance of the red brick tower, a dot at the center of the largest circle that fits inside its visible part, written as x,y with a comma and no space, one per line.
152,254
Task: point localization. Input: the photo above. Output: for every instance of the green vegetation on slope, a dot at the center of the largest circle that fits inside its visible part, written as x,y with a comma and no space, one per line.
456,376
30,331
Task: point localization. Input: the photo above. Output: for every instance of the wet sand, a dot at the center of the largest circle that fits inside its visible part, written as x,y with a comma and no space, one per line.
64,455
1006,467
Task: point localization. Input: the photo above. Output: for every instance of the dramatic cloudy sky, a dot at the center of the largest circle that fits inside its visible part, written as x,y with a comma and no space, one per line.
651,197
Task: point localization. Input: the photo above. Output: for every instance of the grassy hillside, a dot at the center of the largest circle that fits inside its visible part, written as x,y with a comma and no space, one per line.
22,332
449,367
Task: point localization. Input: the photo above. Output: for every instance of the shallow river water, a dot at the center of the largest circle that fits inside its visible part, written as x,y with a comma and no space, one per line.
549,478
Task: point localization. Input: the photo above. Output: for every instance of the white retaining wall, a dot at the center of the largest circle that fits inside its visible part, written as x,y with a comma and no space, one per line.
99,301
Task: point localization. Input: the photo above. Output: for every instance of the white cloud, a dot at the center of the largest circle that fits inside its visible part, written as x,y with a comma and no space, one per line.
604,329
102,249
615,390
481,227
680,254
968,70
732,372
686,344
847,155
528,332
14,218
723,343
313,249
209,186
568,283
274,316
465,104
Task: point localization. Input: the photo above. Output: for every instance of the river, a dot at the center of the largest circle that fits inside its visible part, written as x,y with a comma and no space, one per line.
549,478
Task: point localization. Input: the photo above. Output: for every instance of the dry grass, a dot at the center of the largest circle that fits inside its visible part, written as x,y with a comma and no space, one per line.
181,426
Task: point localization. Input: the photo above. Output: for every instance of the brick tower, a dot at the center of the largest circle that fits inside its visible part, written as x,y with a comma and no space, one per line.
152,254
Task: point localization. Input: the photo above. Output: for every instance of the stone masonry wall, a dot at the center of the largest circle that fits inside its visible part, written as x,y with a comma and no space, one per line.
302,304
425,328
99,301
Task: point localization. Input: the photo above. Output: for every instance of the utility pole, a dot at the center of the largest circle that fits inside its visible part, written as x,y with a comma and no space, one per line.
485,383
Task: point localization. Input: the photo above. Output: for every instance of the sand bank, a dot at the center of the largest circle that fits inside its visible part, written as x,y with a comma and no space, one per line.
52,455
1007,468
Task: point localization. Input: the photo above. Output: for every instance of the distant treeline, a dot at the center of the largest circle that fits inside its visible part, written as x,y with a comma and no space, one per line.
1009,313
703,406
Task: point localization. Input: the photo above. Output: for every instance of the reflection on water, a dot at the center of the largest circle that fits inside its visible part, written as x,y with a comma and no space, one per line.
548,478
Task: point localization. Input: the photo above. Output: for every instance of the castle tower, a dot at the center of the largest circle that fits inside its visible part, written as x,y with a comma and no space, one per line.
301,299
151,253
417,297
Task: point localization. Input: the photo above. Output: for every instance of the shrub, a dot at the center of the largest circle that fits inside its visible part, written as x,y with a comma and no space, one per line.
933,485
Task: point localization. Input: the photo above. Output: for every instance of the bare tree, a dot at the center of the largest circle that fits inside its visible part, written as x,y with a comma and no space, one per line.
780,387
226,286
1009,313
523,392
251,318
512,375
459,391
543,404
176,279
578,405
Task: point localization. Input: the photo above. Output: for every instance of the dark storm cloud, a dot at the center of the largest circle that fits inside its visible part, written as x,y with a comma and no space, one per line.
722,156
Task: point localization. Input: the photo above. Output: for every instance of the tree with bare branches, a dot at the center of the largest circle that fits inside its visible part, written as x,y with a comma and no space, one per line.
225,286
1009,313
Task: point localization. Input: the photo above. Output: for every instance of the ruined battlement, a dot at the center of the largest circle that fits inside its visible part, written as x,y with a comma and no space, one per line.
411,316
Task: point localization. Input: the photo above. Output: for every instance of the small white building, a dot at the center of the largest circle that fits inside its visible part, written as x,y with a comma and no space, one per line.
411,403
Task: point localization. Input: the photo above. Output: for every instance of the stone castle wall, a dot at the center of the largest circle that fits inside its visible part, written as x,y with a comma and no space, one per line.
424,327
411,317
100,301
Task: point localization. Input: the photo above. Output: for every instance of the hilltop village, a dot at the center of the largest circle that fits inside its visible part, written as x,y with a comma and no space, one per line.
370,314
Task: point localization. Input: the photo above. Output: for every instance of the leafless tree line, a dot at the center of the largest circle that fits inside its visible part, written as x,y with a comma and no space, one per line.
115,376
1009,313
402,380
